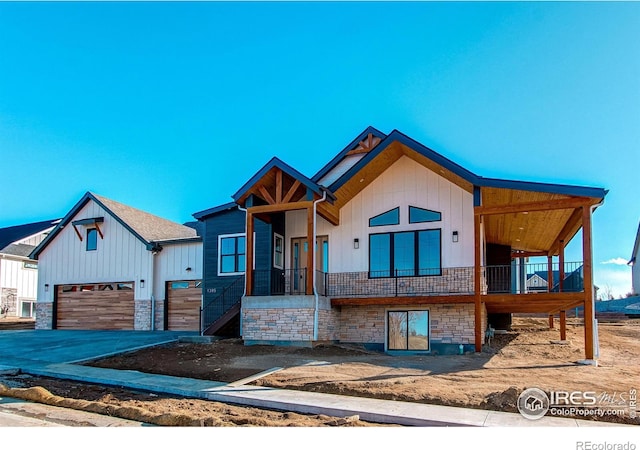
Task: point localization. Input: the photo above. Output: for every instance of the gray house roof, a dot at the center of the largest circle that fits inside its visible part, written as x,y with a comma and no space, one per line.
148,228
10,235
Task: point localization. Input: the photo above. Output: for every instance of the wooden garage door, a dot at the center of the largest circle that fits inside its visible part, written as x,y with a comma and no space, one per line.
105,306
184,299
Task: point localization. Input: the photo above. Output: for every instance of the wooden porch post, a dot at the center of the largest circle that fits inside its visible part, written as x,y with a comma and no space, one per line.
551,321
549,273
248,256
563,325
561,267
310,250
588,282
477,285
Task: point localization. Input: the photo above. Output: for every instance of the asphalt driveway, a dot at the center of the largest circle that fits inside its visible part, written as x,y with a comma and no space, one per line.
26,348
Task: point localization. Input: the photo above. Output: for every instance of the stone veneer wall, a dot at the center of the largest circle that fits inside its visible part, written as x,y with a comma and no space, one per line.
44,316
159,315
142,315
287,319
450,323
8,299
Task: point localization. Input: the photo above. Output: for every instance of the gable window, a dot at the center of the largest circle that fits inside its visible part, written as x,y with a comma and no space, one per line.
278,251
419,215
405,254
408,330
92,239
391,217
231,254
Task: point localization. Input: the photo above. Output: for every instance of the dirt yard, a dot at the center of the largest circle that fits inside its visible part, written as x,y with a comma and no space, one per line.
524,357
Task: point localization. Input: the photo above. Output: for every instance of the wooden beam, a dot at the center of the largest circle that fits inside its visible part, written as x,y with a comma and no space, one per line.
329,212
587,267
266,195
549,273
248,255
524,254
561,267
568,231
545,205
535,297
396,301
279,208
279,186
551,321
563,325
310,250
291,191
478,331
77,232
99,230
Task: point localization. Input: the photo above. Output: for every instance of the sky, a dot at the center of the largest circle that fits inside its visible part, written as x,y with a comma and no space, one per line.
170,107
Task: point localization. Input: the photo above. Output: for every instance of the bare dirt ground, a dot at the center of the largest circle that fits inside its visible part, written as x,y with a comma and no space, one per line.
524,357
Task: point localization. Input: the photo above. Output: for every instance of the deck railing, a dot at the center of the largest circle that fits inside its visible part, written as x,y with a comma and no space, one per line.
222,303
512,279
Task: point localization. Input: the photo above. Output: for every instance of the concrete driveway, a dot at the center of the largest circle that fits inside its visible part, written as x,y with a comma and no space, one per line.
28,348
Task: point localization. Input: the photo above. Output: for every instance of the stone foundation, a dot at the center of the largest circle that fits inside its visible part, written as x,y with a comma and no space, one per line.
8,302
44,316
142,315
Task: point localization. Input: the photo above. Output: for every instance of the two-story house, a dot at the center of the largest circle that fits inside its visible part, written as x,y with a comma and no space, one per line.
390,245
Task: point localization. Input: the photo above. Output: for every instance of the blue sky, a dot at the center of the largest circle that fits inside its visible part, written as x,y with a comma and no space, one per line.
171,107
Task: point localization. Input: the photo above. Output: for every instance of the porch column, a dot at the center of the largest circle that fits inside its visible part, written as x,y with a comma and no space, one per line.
561,267
588,282
310,250
248,255
551,321
477,285
563,325
549,273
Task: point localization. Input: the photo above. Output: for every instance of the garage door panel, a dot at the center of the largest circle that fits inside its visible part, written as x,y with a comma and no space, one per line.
184,302
95,309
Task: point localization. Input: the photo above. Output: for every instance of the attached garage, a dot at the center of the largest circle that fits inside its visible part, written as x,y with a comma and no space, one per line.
103,306
184,300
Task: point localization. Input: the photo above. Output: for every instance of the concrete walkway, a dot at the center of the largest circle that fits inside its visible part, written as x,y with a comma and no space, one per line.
373,410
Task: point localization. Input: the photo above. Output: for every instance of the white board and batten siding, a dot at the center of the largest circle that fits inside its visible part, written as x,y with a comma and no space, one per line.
15,275
120,257
172,263
405,183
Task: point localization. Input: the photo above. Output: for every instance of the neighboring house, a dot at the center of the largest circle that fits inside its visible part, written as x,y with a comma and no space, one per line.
110,266
571,280
18,272
411,252
634,262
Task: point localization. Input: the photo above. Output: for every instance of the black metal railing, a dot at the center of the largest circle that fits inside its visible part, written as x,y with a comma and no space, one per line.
227,299
534,277
279,282
512,279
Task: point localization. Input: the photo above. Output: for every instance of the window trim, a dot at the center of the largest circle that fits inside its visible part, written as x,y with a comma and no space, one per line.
423,209
416,249
397,208
386,330
226,236
282,251
95,240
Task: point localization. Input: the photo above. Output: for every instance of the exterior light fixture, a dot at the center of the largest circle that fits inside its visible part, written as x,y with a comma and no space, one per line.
141,283
188,269
356,243
454,236
46,288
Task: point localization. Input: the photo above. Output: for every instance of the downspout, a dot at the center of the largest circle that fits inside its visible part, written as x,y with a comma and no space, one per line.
154,252
313,266
596,344
244,289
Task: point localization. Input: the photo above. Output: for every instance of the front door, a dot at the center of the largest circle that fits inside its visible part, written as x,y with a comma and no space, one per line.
299,272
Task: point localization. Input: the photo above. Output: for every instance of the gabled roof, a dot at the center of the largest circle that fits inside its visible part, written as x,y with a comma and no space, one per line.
215,210
10,235
279,164
147,227
22,250
343,153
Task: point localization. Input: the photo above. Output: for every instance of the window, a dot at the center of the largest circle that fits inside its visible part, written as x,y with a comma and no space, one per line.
231,259
278,251
419,215
408,330
391,217
92,239
405,254
179,285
